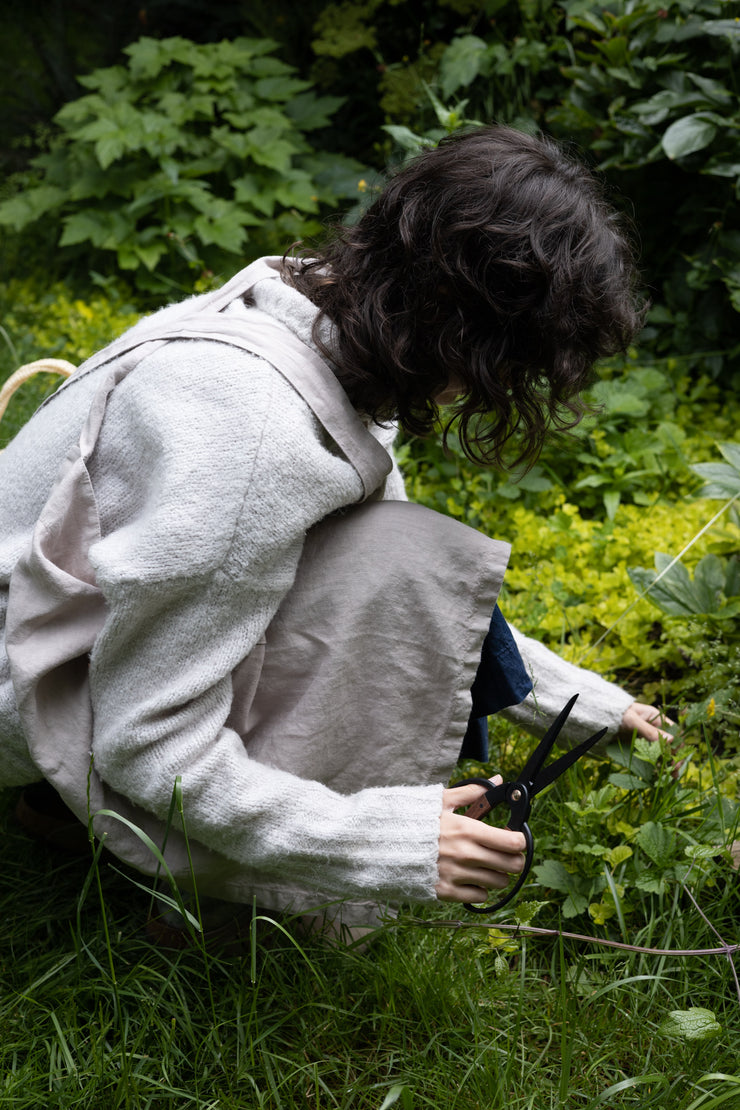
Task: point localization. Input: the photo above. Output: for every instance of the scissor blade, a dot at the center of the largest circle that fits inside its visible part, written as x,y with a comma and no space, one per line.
543,749
556,769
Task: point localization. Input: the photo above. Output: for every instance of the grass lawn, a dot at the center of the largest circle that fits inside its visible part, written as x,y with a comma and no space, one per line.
93,1014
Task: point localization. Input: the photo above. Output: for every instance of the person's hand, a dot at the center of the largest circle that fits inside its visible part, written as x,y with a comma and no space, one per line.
646,721
474,857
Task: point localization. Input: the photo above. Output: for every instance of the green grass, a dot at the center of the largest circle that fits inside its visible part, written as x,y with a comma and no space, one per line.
428,1017
94,1015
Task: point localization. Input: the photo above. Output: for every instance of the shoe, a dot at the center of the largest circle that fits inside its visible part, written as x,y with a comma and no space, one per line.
43,815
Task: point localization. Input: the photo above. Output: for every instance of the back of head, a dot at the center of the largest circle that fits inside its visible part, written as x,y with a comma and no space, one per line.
491,262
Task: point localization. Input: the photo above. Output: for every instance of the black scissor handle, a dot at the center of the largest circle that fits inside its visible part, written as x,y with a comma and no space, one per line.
516,796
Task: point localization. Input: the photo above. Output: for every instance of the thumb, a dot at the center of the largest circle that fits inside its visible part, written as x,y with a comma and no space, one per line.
456,797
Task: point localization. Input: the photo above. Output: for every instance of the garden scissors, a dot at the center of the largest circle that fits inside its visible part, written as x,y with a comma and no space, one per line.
518,794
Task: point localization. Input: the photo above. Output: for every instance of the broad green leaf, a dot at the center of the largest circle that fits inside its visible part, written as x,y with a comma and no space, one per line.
280,88
339,176
106,230
221,226
722,481
297,190
696,1024
731,452
461,63
150,253
626,755
647,751
650,884
30,205
619,855
712,89
551,873
687,135
729,27
406,138
600,912
671,590
574,904
657,842
309,111
628,782
109,149
248,191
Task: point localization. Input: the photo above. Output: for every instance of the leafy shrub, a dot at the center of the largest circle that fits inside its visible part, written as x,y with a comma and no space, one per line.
641,830
186,155
646,89
596,505
709,600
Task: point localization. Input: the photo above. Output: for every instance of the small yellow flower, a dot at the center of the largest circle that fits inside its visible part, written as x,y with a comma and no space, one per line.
362,185
711,708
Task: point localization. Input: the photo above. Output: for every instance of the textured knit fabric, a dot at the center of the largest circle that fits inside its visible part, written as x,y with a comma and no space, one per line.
208,472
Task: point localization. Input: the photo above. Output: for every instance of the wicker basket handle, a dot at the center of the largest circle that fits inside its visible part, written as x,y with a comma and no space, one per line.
50,365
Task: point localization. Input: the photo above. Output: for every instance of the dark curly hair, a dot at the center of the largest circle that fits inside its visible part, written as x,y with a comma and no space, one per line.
492,263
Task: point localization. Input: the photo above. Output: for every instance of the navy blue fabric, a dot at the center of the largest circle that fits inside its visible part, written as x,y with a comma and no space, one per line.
501,681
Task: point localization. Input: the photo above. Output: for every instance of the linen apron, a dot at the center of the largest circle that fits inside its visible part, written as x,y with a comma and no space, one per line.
363,677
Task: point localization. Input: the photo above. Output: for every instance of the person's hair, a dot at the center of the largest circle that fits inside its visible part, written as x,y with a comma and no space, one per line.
492,262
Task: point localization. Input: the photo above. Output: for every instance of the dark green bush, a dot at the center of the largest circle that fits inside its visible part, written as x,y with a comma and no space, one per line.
647,90
186,156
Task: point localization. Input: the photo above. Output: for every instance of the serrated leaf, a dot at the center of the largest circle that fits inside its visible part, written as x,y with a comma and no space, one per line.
30,205
696,1024
309,111
657,842
526,911
687,135
647,751
551,873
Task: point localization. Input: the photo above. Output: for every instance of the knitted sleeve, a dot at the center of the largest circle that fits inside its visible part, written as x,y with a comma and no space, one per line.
207,484
600,704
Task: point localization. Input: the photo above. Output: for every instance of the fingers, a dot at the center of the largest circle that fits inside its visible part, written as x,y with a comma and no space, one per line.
475,858
646,721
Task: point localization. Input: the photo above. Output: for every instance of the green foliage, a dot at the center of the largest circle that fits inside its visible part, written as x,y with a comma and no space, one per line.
710,599
649,90
52,324
186,155
625,834
596,506
653,94
696,1024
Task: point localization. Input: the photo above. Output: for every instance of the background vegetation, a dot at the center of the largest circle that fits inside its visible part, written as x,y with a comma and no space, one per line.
146,152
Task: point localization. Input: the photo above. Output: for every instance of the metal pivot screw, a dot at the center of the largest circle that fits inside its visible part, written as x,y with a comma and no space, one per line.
516,795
